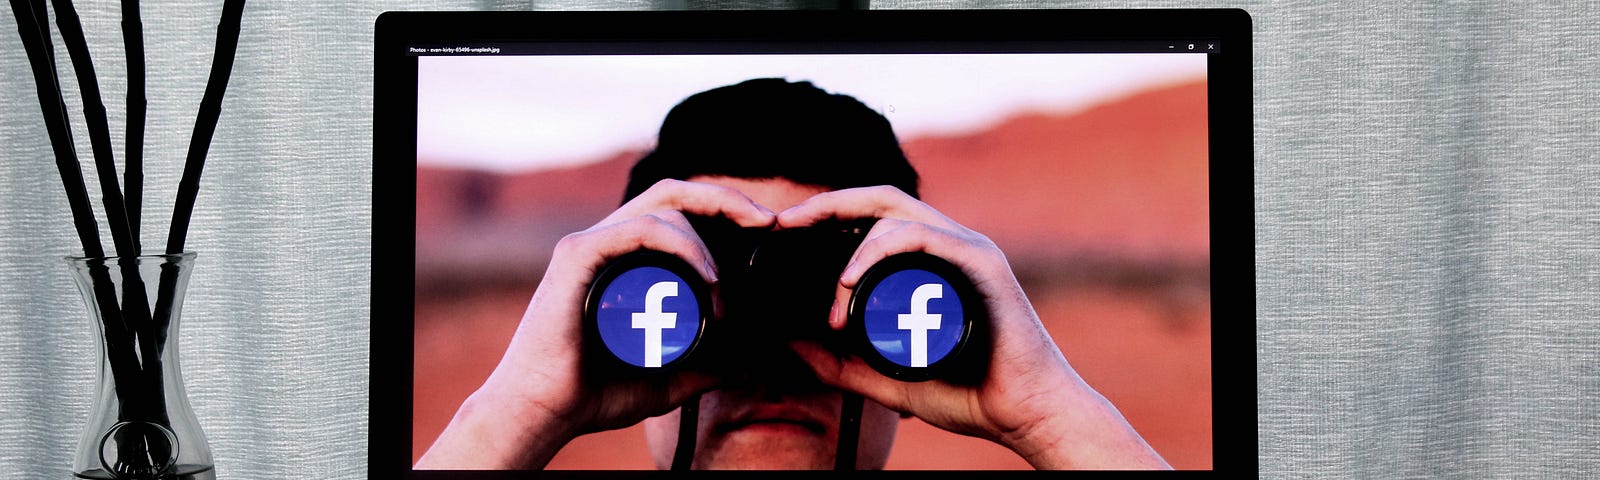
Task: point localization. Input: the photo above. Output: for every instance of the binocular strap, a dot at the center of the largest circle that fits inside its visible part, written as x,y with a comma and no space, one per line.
688,422
849,432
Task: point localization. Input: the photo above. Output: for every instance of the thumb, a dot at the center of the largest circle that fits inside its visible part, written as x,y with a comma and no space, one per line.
852,374
688,384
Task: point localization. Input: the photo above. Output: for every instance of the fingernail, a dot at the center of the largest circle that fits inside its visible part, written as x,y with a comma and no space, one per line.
833,312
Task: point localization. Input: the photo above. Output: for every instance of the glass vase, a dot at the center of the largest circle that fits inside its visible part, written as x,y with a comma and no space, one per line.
141,426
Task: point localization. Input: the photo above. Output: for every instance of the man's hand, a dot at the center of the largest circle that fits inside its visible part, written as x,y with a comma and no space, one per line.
536,400
1031,399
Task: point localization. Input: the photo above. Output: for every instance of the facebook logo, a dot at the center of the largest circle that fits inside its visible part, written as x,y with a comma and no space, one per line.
913,318
648,317
919,321
652,320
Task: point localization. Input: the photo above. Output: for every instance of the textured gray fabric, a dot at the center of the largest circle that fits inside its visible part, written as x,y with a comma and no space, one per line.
274,335
1427,237
1427,241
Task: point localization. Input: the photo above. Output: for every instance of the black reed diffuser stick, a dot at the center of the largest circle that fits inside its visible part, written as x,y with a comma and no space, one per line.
94,114
41,56
133,149
205,124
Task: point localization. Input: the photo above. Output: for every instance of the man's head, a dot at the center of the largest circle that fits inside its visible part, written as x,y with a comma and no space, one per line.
779,143
773,128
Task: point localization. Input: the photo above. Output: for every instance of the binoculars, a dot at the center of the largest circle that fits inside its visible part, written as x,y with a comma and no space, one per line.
912,317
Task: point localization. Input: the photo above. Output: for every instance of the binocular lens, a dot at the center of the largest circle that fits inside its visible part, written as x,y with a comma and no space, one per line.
916,314
648,309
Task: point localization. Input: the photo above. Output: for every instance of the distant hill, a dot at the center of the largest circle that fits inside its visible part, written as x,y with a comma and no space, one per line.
1123,183
1126,178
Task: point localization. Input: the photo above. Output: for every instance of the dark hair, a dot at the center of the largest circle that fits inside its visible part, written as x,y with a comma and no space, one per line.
773,128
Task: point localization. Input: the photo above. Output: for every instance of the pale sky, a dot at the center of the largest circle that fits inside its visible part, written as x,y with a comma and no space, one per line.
519,113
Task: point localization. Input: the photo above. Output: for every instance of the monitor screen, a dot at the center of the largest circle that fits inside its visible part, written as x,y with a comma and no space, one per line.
1075,170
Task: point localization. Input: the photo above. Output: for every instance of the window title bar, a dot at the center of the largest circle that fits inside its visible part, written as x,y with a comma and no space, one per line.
1200,46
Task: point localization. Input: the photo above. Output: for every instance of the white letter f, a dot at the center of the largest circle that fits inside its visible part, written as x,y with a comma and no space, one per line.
919,321
652,320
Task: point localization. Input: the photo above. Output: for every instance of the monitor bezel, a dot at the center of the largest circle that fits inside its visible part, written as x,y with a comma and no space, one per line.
1231,157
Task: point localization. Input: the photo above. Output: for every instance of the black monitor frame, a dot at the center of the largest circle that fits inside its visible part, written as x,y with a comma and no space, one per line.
1231,154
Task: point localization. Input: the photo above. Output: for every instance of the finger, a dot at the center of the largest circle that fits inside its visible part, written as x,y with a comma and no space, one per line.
902,238
852,374
841,307
697,199
688,384
879,229
932,400
841,296
681,223
854,203
649,231
625,402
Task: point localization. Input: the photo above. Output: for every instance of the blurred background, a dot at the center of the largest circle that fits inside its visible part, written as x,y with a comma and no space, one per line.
1089,171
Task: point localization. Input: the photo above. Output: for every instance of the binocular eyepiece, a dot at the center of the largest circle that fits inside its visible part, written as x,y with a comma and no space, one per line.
912,317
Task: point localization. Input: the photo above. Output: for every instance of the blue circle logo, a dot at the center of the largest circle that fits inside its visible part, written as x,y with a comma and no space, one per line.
648,317
914,318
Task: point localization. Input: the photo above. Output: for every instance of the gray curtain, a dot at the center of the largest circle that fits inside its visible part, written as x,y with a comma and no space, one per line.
1427,234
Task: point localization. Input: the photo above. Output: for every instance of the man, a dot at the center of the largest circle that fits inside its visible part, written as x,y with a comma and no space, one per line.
772,154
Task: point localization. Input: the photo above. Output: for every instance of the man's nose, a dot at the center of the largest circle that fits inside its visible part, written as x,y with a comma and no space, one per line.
773,368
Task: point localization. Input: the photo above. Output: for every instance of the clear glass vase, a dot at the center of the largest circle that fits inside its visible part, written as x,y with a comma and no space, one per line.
141,426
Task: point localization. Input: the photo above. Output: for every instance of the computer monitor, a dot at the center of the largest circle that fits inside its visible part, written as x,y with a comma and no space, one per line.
1107,154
